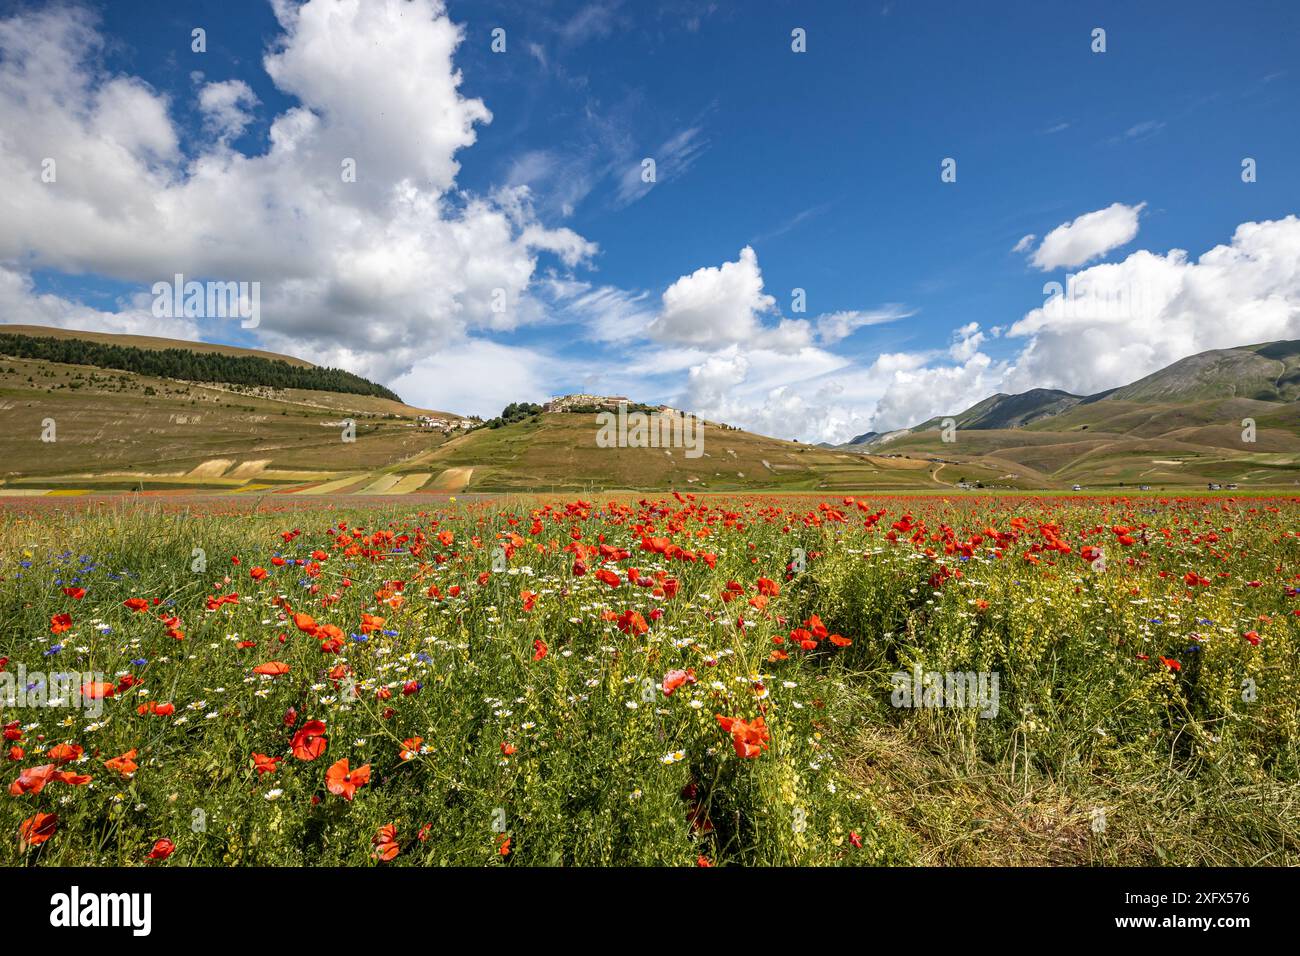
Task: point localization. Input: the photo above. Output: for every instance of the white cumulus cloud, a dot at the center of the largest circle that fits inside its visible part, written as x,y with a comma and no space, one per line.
1088,237
373,274
715,305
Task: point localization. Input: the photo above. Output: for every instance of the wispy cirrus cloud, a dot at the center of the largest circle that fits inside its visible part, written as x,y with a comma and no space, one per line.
798,219
671,160
1138,132
836,326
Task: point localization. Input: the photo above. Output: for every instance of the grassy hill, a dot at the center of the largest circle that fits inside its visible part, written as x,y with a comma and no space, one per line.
559,452
151,342
189,365
1268,372
1010,411
116,429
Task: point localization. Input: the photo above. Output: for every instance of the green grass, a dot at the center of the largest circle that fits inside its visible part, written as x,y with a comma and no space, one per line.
1183,767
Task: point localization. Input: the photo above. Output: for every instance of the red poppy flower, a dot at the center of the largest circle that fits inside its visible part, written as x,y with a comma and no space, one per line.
126,683
749,738
32,780
631,622
410,748
803,638
36,830
65,753
310,740
124,764
677,678
162,849
272,668
342,782
60,623
265,764
385,842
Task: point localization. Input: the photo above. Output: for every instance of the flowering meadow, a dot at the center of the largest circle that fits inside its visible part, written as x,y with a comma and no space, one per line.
679,680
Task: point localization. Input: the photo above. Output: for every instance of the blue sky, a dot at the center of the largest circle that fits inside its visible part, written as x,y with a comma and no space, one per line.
825,164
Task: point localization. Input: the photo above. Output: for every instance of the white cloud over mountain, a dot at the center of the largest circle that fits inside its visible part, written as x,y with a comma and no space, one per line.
1114,323
1120,321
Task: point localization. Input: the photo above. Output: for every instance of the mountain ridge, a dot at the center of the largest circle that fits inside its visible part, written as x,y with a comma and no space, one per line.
1269,371
1223,416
